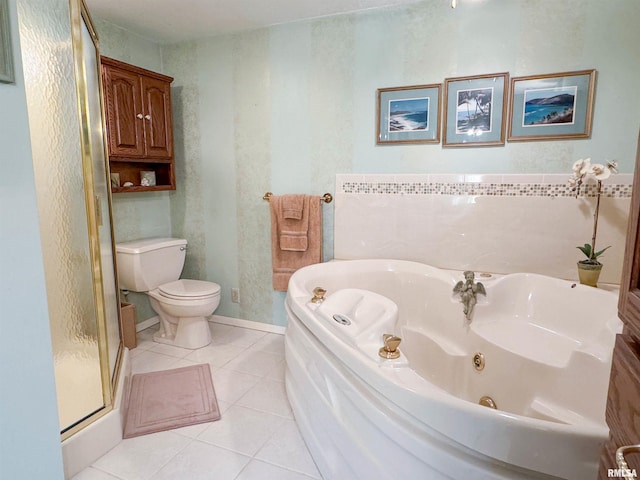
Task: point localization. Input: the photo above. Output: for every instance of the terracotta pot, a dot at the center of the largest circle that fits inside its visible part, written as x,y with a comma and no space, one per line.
589,274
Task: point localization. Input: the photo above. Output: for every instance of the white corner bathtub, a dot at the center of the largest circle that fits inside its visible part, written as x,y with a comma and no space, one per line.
546,344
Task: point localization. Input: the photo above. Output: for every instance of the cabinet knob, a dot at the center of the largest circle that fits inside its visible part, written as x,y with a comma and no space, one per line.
139,116
622,463
148,117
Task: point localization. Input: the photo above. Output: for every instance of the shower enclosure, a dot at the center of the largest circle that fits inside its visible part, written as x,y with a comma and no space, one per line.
62,82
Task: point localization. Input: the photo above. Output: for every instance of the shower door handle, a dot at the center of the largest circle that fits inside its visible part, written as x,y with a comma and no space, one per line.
98,211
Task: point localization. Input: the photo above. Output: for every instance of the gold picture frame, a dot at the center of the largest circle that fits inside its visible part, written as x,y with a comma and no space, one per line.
555,106
475,110
408,114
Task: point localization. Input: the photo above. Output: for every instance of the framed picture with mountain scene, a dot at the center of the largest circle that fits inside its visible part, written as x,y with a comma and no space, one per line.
408,114
556,106
475,110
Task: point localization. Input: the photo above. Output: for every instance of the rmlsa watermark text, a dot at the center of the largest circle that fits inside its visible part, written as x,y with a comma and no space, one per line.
622,473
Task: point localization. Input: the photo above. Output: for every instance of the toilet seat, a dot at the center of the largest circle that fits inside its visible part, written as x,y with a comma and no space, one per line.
187,289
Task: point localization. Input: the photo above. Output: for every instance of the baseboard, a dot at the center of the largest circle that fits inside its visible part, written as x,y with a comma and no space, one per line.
149,322
237,322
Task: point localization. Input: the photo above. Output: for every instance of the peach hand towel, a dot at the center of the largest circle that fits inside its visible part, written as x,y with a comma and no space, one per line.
293,232
285,262
293,206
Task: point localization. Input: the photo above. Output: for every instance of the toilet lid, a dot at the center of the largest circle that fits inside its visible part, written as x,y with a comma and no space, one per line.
189,289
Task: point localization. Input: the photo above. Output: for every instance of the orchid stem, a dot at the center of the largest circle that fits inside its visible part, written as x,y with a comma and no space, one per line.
595,221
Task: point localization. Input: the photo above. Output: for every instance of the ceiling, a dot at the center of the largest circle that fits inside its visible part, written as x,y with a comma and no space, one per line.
168,21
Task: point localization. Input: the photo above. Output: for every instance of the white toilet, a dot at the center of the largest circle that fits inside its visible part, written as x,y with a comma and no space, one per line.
154,266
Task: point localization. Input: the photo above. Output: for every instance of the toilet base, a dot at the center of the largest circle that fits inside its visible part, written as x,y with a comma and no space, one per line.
190,332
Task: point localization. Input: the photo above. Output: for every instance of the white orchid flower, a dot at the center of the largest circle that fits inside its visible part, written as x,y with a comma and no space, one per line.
581,170
600,171
582,166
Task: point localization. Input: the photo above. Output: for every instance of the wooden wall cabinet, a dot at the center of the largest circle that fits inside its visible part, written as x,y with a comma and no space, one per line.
139,125
623,401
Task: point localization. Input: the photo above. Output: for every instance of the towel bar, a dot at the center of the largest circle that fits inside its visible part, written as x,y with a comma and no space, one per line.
326,198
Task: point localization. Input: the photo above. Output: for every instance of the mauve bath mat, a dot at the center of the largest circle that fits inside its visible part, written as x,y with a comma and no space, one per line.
170,399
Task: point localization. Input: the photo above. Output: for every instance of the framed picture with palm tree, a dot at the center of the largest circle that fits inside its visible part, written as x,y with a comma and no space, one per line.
475,110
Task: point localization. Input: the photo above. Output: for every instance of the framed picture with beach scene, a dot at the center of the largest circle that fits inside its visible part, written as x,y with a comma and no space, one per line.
475,110
556,106
408,114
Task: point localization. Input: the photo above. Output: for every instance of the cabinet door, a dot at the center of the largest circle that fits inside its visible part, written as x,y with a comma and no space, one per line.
629,305
623,406
124,112
156,95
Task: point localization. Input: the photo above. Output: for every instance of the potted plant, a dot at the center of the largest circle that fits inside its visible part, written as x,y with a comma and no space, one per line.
589,268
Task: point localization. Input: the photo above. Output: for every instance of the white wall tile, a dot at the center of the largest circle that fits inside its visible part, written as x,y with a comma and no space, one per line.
530,228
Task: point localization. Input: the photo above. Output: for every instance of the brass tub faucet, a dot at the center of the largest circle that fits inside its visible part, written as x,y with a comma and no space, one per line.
318,295
390,349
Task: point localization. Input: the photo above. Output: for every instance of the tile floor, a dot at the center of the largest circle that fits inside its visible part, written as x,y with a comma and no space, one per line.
256,438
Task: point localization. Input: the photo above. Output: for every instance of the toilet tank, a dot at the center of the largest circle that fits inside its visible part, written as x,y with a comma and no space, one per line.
146,264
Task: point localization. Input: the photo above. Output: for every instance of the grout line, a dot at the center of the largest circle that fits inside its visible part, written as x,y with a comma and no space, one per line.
178,452
292,420
93,466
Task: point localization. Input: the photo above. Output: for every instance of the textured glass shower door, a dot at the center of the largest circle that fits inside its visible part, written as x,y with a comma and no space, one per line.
95,151
73,203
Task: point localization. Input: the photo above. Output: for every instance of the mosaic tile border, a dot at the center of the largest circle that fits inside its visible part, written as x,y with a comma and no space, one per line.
484,189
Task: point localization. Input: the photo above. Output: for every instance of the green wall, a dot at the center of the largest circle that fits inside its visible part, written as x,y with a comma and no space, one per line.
285,108
135,215
29,434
